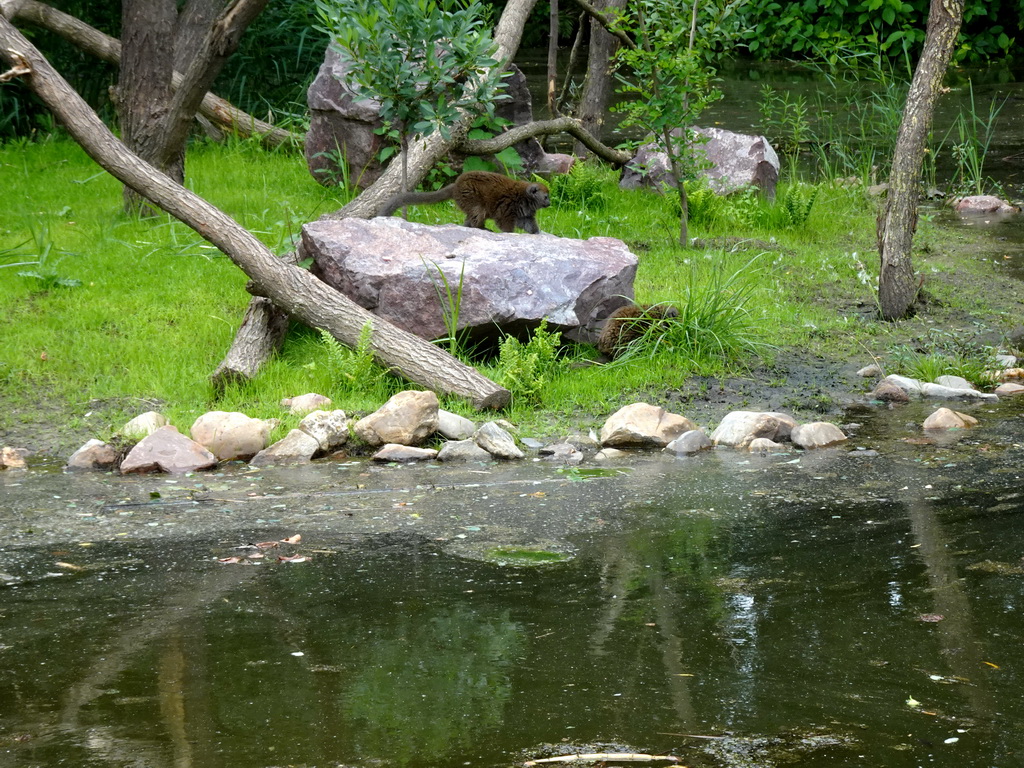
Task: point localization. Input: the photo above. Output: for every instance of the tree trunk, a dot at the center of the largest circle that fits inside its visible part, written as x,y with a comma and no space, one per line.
92,41
597,87
207,59
144,85
289,287
897,287
552,59
155,118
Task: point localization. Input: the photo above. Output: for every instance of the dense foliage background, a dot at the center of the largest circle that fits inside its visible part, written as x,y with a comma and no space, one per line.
280,53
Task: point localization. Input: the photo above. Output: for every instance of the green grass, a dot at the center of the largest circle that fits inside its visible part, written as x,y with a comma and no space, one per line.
157,307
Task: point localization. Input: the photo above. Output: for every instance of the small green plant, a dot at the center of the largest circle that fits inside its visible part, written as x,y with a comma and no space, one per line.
945,354
45,275
974,133
786,121
354,369
707,208
582,189
713,323
451,304
524,369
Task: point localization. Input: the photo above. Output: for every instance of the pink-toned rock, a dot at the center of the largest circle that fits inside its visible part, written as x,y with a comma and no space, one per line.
945,418
513,281
12,458
736,160
95,454
889,392
643,425
982,204
167,450
1009,389
305,403
408,418
230,435
817,434
294,448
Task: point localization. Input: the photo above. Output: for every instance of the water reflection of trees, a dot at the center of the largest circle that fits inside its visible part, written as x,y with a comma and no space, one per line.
435,684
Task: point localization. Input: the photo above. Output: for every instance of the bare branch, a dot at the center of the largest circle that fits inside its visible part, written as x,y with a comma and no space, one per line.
607,22
568,125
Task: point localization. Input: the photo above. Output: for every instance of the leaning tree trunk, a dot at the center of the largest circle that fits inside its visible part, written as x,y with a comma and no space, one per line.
289,287
897,288
597,87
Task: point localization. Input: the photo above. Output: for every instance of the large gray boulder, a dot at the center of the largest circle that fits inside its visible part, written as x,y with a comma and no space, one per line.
342,138
509,281
735,160
342,127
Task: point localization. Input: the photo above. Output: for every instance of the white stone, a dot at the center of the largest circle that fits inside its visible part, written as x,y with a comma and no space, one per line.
497,441
738,428
453,426
817,434
306,403
641,424
408,418
690,442
328,428
231,435
144,424
395,452
296,447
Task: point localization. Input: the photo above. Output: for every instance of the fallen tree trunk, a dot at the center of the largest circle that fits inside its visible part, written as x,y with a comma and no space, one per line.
215,109
293,289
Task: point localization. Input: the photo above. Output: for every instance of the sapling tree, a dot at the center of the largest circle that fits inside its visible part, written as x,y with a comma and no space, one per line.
424,61
670,80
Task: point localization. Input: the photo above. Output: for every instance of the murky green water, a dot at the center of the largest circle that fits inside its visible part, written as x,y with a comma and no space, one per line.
871,599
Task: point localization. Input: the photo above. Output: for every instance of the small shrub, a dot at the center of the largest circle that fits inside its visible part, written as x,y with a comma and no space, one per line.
524,369
581,189
355,370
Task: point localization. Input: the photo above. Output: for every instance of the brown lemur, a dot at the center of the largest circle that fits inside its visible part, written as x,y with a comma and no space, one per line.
482,195
628,323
